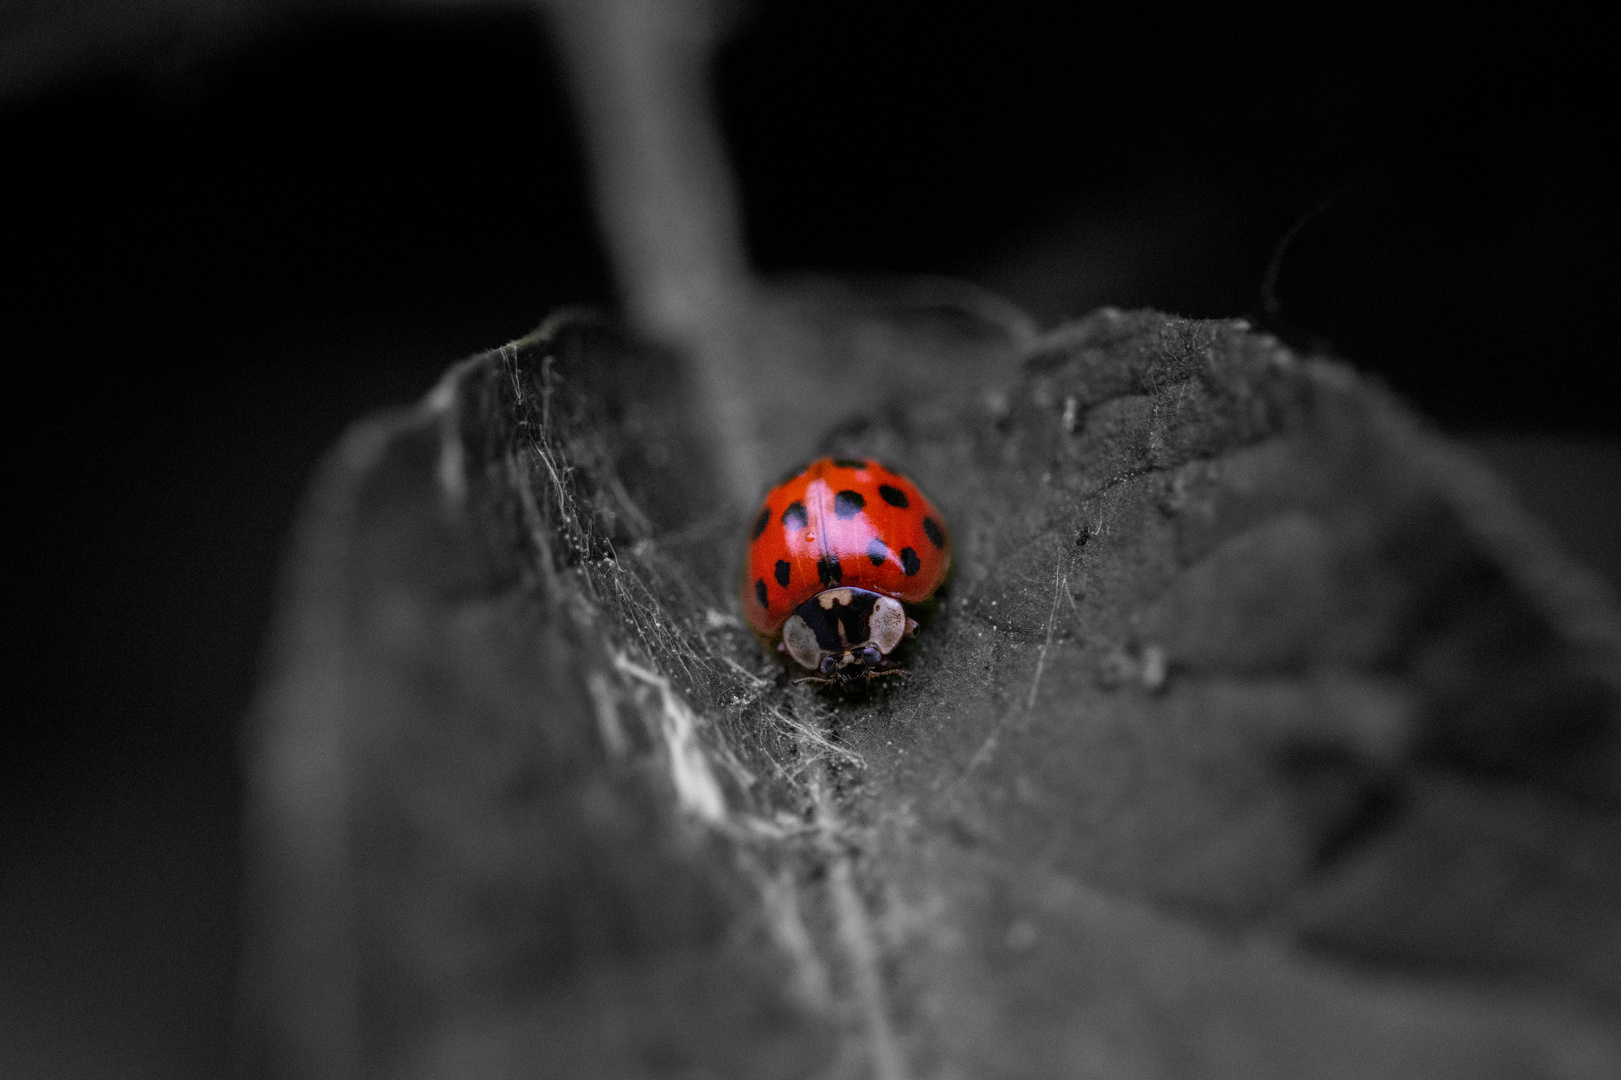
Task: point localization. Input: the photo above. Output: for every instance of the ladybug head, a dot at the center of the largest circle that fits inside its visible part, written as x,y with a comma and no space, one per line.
845,635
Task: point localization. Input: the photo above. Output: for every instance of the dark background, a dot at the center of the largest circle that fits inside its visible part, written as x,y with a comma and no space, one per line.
225,246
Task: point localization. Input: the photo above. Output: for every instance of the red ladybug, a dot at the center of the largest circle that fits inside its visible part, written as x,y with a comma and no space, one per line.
834,554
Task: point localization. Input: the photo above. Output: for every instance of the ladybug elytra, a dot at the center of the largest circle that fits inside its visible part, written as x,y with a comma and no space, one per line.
835,553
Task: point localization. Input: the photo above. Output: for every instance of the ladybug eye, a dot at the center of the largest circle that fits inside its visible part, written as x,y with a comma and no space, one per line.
827,665
870,656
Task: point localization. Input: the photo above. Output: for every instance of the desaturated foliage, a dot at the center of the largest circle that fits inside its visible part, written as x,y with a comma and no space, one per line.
1257,734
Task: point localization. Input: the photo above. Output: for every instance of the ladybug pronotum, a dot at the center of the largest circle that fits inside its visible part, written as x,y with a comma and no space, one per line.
835,553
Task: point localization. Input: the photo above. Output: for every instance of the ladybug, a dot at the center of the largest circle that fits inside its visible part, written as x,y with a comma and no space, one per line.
834,554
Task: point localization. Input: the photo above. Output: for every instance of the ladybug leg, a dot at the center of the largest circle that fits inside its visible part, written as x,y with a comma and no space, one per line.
911,627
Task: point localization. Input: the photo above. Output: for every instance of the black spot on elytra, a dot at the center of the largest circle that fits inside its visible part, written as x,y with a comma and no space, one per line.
759,592
909,561
761,522
848,503
931,529
782,573
795,517
827,568
849,463
877,552
893,496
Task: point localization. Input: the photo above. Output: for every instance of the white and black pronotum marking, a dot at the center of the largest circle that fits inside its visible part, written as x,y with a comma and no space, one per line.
846,634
